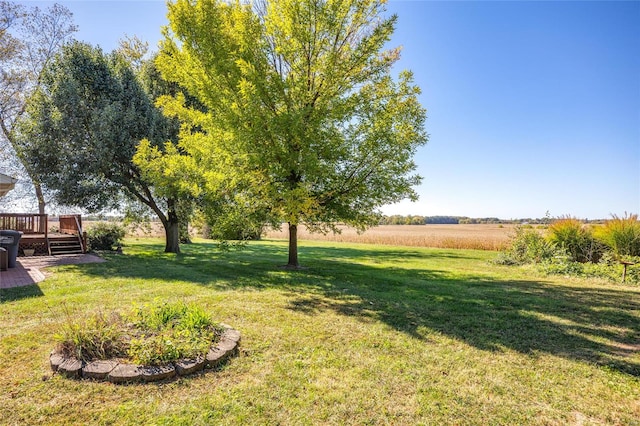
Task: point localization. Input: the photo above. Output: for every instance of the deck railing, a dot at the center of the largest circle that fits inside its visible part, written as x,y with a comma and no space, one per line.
25,222
72,224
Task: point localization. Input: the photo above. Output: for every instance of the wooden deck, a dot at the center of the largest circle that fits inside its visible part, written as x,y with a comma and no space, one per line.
38,241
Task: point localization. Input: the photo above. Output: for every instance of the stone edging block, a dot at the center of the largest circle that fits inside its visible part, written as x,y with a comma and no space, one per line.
99,370
117,372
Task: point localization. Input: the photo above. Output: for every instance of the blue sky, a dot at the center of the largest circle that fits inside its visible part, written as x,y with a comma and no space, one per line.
533,106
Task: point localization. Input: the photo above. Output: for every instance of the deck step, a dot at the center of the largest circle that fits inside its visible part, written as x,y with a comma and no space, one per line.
69,245
55,253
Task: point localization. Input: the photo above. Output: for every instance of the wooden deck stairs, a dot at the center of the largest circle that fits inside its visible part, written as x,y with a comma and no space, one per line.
66,244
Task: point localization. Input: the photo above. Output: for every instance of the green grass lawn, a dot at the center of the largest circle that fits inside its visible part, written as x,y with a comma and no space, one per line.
364,335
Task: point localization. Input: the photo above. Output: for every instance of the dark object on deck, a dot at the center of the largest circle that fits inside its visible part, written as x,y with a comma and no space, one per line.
10,240
4,262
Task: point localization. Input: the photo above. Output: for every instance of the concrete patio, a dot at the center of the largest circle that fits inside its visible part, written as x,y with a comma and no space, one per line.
28,270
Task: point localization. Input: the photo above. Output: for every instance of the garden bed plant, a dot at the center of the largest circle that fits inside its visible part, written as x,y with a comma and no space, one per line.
148,335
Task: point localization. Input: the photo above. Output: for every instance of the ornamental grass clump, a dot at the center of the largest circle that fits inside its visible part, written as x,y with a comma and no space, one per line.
575,239
149,335
621,235
97,336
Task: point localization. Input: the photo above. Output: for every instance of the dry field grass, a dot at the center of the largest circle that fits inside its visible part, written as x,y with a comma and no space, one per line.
477,237
480,237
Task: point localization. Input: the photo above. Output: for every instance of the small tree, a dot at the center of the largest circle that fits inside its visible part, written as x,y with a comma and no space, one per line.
301,106
105,236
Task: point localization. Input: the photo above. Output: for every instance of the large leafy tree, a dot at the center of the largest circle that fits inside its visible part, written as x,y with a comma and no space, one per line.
29,38
301,102
82,129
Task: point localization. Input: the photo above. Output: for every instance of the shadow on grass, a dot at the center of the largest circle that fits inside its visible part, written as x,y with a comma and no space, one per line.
591,324
18,293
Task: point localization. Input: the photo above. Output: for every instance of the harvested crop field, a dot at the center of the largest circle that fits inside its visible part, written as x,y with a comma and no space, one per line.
479,236
476,236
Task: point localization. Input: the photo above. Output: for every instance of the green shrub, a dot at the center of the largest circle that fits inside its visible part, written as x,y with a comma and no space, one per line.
105,236
231,221
526,246
621,235
576,239
170,332
562,265
607,268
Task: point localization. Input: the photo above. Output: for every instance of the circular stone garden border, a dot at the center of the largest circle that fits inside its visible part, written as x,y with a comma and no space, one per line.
115,371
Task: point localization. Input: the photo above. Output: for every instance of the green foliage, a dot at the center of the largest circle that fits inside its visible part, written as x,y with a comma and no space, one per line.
234,226
225,246
150,335
576,239
105,235
527,246
169,332
171,315
608,268
621,234
562,264
83,127
82,130
573,249
236,230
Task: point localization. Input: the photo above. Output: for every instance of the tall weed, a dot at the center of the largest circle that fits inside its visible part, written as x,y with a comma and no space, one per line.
96,336
171,331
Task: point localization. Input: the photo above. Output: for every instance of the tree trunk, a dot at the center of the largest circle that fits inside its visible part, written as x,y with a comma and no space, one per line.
172,236
39,196
172,229
169,221
37,187
293,246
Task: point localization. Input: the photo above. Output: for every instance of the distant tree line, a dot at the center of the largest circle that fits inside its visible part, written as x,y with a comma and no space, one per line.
454,220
